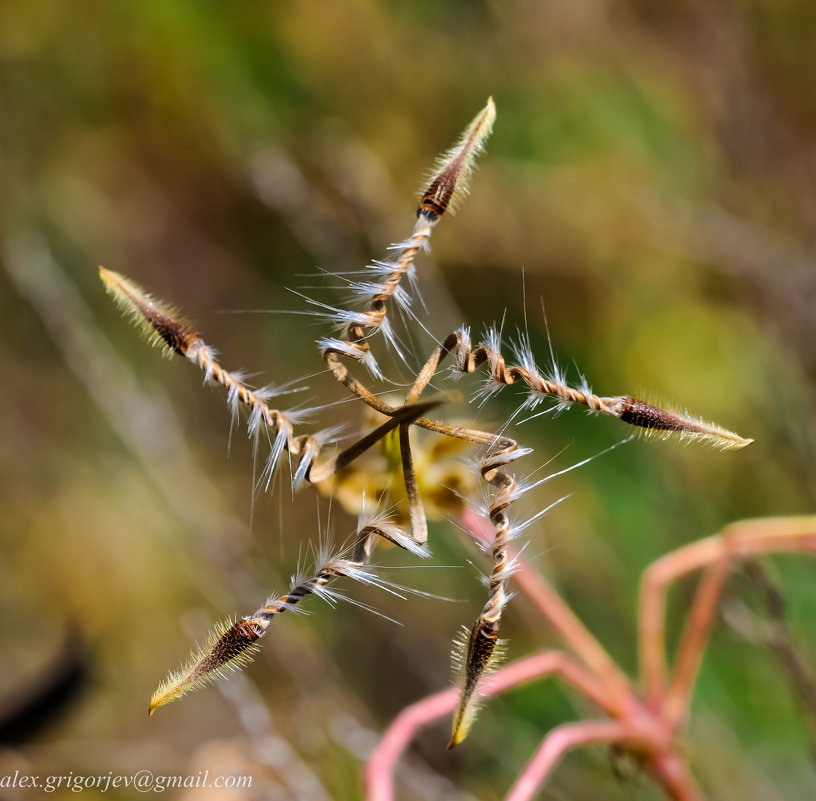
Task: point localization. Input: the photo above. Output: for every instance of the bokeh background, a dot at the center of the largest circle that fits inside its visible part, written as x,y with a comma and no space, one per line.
650,186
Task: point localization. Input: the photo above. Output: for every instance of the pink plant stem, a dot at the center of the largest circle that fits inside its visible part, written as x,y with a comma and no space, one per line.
640,733
747,538
671,772
379,784
563,620
380,767
556,744
652,616
693,642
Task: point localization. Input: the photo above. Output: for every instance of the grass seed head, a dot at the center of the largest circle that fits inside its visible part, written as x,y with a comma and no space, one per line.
448,184
161,324
654,421
229,646
476,654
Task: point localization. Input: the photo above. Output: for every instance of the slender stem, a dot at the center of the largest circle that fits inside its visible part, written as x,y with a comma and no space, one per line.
565,622
639,734
428,370
556,744
341,373
672,773
381,764
377,307
419,524
693,641
651,637
745,538
401,416
576,635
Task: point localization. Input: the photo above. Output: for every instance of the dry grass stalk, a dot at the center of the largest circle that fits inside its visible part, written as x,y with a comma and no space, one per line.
232,644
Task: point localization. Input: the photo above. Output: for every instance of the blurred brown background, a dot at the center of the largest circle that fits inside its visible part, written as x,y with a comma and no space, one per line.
650,183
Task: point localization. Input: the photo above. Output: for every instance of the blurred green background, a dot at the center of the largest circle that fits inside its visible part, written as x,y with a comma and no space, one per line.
650,184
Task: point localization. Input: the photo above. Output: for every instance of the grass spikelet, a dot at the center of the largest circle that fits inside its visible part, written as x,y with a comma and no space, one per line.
448,184
475,655
658,422
229,646
160,323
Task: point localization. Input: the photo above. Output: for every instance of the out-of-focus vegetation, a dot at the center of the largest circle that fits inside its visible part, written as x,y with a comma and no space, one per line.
651,183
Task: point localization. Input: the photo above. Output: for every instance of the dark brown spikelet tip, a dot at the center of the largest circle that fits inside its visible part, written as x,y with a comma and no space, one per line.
480,659
173,333
229,646
644,415
482,644
449,179
663,423
161,323
437,197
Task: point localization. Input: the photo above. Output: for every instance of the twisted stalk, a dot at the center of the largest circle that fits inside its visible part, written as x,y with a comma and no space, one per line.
483,641
232,645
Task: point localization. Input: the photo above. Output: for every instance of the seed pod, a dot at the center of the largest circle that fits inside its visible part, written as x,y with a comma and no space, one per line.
655,421
229,646
476,655
449,181
161,323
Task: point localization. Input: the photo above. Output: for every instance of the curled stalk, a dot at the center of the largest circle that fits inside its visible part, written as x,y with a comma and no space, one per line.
483,649
165,327
446,187
232,645
648,419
